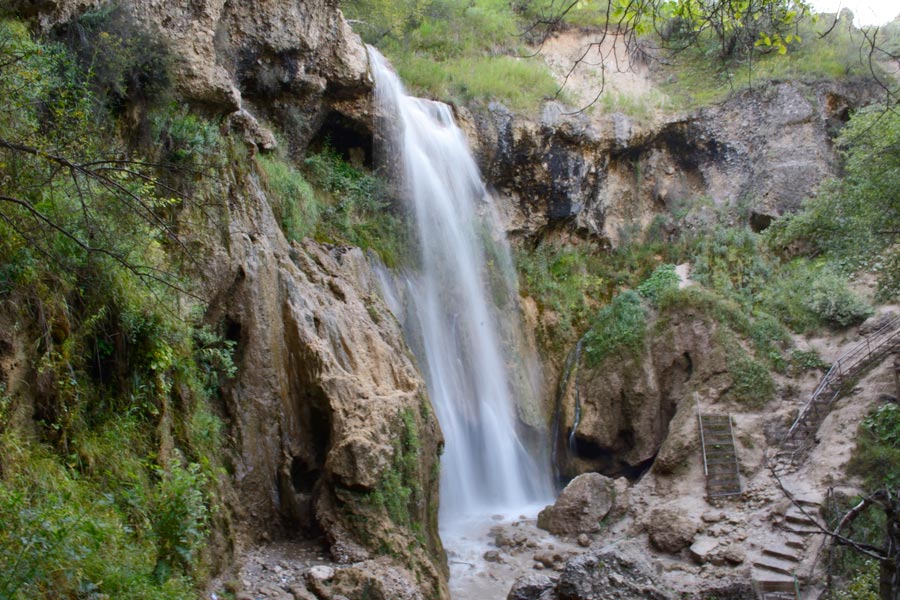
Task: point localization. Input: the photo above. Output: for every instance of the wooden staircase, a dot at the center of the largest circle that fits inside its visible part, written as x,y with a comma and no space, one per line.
775,570
720,462
831,387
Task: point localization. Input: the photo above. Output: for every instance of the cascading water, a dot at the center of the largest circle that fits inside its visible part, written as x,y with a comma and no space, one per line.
448,315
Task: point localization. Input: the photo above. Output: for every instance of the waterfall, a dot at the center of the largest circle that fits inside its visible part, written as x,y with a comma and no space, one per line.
448,309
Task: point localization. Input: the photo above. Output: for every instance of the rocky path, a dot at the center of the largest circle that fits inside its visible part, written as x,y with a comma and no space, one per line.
277,571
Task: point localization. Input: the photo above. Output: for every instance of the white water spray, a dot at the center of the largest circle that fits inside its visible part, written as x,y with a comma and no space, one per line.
453,326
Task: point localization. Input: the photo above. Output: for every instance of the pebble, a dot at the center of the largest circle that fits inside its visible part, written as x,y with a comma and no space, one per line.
583,540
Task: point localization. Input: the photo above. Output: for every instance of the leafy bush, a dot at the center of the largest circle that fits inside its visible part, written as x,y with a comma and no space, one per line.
563,279
830,298
863,585
802,361
179,515
89,261
185,139
851,219
877,456
752,384
662,279
618,327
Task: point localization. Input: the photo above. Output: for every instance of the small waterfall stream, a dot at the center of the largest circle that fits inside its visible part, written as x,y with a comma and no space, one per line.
448,314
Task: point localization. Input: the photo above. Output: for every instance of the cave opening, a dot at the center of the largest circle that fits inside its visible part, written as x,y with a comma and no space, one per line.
352,140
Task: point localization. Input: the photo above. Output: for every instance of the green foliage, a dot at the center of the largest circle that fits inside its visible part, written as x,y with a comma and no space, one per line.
185,139
293,200
830,298
335,202
752,383
853,221
179,515
696,79
863,585
124,64
518,83
662,279
877,456
809,294
63,538
457,50
91,501
802,361
563,279
729,260
356,208
619,327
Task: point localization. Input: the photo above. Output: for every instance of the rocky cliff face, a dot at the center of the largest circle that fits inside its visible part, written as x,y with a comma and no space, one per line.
331,421
296,63
760,152
331,426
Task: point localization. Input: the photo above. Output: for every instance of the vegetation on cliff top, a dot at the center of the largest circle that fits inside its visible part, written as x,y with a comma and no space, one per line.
483,50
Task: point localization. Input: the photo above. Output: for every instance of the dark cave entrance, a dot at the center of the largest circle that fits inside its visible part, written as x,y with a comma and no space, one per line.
351,140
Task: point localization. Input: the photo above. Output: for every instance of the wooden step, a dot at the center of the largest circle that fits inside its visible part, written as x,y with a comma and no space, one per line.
786,567
795,541
782,552
768,581
801,529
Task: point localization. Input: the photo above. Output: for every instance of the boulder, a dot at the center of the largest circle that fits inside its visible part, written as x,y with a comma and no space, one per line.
379,579
580,507
670,531
530,587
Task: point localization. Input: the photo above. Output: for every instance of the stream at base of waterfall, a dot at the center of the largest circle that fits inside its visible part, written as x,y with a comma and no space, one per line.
459,311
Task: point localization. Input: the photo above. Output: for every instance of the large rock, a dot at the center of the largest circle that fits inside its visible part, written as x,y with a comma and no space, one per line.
670,530
608,575
532,586
325,387
580,507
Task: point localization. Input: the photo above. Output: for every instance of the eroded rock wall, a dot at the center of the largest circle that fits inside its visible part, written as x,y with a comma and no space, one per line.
759,153
623,408
296,63
328,412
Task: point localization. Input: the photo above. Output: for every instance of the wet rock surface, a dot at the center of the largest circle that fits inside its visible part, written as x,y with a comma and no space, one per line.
608,575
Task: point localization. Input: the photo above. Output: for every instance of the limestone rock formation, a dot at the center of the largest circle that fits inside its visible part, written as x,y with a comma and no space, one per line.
296,63
580,506
329,421
604,176
627,406
608,575
532,586
328,401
